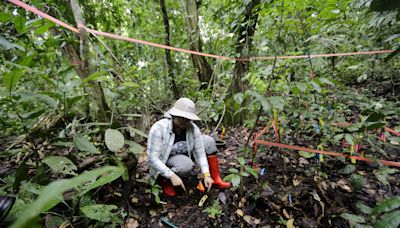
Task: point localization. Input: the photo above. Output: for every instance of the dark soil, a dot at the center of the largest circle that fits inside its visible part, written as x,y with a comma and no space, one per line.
292,187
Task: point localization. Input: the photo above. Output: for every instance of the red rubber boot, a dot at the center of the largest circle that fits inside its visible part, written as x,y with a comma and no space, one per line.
215,174
168,188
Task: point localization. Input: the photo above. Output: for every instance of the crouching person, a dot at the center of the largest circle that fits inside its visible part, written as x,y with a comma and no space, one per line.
174,143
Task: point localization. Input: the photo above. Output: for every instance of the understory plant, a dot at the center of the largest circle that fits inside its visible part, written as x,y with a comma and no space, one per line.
385,214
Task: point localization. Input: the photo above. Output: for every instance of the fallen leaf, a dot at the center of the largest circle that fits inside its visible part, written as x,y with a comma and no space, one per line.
284,198
117,194
131,223
239,212
242,202
296,182
227,152
289,223
153,213
303,162
134,200
323,185
248,219
286,214
170,215
371,191
64,224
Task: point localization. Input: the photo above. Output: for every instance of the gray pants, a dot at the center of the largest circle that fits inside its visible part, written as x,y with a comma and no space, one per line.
182,165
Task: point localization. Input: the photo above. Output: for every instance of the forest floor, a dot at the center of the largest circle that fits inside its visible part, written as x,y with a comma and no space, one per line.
291,190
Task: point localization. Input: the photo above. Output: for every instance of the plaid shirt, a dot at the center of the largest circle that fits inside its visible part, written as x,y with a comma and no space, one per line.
160,141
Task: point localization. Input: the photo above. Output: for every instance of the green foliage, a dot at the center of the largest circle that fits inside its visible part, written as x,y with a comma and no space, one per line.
382,174
384,214
60,165
357,181
155,190
100,212
84,145
51,195
215,210
114,139
235,175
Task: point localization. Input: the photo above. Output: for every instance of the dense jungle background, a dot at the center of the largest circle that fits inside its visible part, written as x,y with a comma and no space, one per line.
76,110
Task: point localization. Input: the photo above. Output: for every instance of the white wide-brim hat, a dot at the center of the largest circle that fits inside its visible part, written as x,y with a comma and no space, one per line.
184,107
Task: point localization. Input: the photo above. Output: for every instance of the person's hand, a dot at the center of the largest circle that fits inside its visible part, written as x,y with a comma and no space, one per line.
177,181
208,182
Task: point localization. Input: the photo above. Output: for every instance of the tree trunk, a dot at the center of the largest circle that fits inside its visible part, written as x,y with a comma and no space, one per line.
245,34
170,63
203,69
81,61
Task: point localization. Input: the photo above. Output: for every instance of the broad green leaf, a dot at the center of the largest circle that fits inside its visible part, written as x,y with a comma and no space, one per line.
114,140
42,29
389,220
302,87
326,81
235,180
134,147
252,172
139,132
349,139
10,79
338,137
238,98
296,90
51,195
7,45
5,17
277,102
364,208
348,169
316,87
100,212
233,170
93,76
264,102
353,218
357,181
33,114
241,160
306,154
383,173
84,145
375,116
60,164
102,180
386,205
373,126
19,24
244,174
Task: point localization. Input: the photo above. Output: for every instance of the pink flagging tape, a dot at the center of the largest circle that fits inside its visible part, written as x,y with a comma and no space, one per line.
44,15
118,37
392,131
299,148
132,40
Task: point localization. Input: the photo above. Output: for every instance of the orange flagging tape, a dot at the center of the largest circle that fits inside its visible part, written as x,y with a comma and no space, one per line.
132,40
299,148
292,147
392,131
